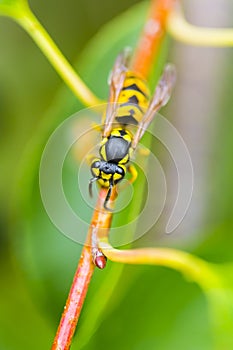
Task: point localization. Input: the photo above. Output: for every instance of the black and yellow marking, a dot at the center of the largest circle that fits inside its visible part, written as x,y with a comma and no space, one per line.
115,150
133,100
130,104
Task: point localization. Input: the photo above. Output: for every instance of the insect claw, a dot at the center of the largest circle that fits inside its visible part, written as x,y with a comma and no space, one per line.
108,197
107,208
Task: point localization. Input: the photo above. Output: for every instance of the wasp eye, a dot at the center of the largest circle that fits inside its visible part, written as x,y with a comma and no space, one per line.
120,171
95,164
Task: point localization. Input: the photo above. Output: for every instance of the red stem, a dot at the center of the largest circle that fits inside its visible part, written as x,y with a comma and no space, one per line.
152,35
75,301
101,219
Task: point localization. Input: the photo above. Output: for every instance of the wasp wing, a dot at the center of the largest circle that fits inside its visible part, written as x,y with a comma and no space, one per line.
160,98
116,82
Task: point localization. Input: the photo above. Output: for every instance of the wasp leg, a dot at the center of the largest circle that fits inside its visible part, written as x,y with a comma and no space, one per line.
90,158
134,174
97,127
90,185
108,197
144,152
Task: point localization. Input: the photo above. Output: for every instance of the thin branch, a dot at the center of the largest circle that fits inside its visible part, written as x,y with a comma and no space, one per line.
33,27
100,224
152,36
181,30
190,266
75,300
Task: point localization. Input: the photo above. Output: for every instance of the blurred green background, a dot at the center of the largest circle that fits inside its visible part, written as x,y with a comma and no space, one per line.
151,308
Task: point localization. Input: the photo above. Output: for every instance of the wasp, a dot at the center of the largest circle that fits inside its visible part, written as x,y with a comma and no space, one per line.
129,103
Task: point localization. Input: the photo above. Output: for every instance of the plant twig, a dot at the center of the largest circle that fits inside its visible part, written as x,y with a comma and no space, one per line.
181,30
191,266
152,36
101,223
22,14
75,300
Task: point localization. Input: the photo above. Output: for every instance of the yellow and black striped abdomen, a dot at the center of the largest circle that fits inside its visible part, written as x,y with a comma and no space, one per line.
133,100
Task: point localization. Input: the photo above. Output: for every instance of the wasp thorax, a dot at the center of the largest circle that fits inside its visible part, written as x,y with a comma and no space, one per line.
116,147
